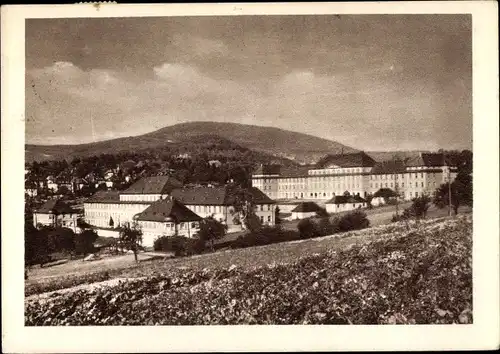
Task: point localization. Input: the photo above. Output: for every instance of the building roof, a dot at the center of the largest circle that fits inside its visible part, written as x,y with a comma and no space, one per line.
153,185
430,160
346,199
267,169
168,210
54,206
306,207
104,196
389,167
224,195
356,159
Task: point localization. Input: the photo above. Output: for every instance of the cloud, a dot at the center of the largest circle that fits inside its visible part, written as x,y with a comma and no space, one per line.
370,109
200,46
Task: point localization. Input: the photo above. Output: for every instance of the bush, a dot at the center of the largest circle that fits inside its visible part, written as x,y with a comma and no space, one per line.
326,227
355,220
307,229
179,245
264,236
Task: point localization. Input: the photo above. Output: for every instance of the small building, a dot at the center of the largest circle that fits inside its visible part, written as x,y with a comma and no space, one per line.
344,203
215,163
167,217
56,213
305,210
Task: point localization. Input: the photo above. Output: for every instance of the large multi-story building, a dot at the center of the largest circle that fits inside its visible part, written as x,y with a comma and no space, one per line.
108,210
355,173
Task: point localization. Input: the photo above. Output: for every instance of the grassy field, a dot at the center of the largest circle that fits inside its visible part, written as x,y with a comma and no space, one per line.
386,274
77,272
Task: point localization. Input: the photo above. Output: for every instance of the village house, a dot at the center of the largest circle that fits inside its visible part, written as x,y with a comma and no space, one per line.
305,210
167,217
55,213
341,203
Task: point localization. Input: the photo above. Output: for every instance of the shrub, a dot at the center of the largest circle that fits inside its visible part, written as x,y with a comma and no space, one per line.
264,236
325,226
322,213
307,229
179,245
355,220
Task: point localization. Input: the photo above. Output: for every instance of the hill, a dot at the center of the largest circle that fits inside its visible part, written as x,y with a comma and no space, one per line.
268,140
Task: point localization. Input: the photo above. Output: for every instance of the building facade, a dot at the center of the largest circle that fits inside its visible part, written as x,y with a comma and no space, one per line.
55,213
108,210
355,173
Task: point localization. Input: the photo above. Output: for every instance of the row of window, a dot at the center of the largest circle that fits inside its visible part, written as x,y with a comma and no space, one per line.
168,225
392,185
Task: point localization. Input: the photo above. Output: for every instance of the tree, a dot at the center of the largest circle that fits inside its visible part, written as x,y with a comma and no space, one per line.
385,193
131,238
244,208
211,230
307,229
277,219
60,239
369,198
461,193
420,206
322,213
84,242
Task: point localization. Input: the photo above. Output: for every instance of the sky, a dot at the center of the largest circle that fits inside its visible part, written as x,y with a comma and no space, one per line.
373,82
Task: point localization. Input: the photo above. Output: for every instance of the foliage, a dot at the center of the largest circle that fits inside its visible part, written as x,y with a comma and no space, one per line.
354,220
369,197
420,206
321,213
84,241
277,219
59,239
422,277
179,245
461,193
130,238
211,230
385,193
307,228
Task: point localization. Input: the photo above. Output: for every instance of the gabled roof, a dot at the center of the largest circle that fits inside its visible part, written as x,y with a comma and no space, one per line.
356,159
168,210
344,199
389,167
153,185
267,170
202,196
306,207
104,196
54,206
430,160
224,195
260,197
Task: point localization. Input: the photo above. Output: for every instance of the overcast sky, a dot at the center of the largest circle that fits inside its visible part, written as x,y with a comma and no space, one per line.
374,82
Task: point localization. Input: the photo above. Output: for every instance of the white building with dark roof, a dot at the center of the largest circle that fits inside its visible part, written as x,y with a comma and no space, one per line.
356,173
108,210
167,217
55,213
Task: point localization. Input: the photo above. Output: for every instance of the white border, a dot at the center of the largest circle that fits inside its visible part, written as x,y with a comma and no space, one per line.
483,334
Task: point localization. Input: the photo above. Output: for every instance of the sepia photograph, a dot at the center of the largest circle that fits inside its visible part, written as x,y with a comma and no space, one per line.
250,169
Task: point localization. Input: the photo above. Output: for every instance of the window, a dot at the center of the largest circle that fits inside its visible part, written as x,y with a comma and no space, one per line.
269,218
261,207
422,184
262,219
416,194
